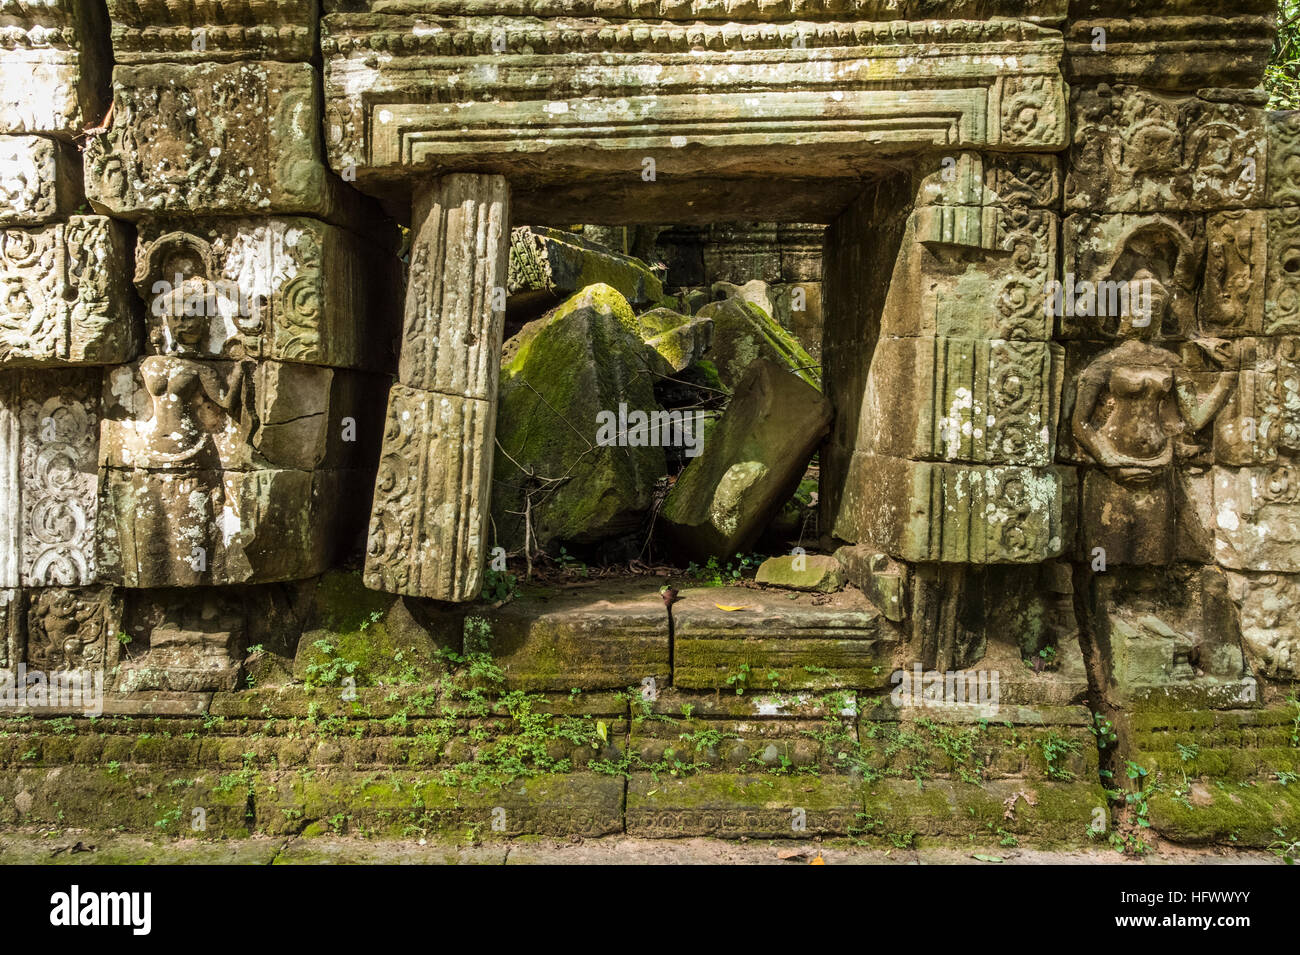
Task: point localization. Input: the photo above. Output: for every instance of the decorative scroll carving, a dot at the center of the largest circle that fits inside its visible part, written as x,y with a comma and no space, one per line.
64,295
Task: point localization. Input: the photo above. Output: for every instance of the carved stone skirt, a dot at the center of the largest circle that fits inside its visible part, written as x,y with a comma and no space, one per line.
1131,514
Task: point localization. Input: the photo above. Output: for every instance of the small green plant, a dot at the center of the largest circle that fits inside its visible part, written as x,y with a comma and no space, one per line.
570,564
740,679
1056,748
1104,730
123,637
1284,847
714,574
332,669
499,586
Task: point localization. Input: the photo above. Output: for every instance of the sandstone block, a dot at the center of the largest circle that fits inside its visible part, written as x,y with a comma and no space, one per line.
751,464
66,297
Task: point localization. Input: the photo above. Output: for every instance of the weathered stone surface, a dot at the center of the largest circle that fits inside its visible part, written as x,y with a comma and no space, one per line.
610,638
237,416
729,806
1164,250
773,643
183,642
40,180
1168,46
49,439
925,511
548,265
54,63
679,340
1283,179
1269,605
876,575
230,139
1262,417
288,288
149,31
1282,276
817,572
12,626
564,379
429,520
751,463
744,333
198,527
973,272
952,399
452,328
73,629
990,179
66,295
1257,518
692,112
1137,150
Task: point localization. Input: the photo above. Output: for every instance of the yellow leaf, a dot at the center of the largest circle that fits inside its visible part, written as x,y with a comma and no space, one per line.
602,730
729,609
818,861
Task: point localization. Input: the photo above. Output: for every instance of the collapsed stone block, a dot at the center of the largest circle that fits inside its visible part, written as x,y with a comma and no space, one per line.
751,464
549,265
580,468
66,299
743,332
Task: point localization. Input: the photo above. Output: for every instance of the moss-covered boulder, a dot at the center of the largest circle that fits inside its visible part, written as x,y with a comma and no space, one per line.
679,340
744,333
546,265
816,572
561,377
752,462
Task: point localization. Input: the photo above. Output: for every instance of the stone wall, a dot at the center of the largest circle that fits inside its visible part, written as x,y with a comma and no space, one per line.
1047,253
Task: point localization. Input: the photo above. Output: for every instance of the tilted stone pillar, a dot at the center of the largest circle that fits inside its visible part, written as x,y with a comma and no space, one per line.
429,523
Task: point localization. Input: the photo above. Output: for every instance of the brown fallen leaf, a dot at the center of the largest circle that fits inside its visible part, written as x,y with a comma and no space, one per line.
786,854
